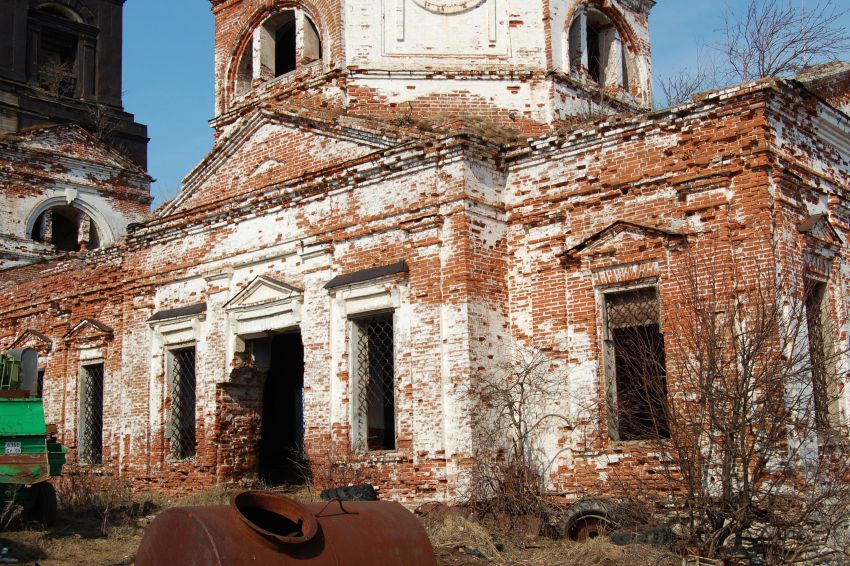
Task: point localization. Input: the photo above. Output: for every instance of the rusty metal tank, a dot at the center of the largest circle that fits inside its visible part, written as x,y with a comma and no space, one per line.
266,528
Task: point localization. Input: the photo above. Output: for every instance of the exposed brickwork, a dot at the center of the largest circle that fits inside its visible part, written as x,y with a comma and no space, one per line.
50,166
510,225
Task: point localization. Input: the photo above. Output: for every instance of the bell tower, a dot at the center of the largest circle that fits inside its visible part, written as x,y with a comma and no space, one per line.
60,63
524,64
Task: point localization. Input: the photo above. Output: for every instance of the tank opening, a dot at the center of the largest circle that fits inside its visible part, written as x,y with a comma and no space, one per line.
281,458
274,523
276,516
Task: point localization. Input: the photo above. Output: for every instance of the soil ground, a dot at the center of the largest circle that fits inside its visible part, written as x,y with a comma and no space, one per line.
109,533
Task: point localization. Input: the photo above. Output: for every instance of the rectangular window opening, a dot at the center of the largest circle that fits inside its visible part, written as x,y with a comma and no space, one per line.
374,360
181,420
635,366
819,325
91,415
57,57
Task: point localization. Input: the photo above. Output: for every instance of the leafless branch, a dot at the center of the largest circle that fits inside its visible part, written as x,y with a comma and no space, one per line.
777,38
748,433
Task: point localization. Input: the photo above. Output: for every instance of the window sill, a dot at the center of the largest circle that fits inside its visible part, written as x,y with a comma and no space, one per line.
260,87
640,443
383,455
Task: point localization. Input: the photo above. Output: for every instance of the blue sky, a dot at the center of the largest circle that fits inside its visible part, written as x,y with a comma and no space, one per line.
168,70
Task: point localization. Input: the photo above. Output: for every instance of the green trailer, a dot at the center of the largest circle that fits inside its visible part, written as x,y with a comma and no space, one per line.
29,453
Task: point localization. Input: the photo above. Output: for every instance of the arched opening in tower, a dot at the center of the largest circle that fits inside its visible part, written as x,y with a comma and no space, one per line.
67,229
57,55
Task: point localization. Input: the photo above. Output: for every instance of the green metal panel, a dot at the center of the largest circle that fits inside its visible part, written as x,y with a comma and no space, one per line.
23,442
56,456
22,417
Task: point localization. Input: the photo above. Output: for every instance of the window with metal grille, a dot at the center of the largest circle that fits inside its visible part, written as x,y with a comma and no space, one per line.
181,418
374,419
819,324
91,414
635,367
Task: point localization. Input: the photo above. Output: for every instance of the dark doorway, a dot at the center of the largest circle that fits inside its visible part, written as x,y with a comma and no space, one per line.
282,437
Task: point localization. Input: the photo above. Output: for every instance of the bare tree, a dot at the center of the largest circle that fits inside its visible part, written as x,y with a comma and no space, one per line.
769,38
774,38
747,429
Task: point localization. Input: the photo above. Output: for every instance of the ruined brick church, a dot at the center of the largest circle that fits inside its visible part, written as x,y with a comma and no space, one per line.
399,193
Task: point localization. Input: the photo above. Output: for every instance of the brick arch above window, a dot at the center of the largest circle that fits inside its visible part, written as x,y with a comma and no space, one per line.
254,59
74,10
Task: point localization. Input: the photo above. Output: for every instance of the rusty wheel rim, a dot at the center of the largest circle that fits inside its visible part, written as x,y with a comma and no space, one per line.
589,527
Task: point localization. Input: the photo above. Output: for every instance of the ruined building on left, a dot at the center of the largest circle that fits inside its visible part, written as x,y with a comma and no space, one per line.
72,161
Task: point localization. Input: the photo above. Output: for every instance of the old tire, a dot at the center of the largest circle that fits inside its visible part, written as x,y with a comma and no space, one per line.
44,507
363,492
588,519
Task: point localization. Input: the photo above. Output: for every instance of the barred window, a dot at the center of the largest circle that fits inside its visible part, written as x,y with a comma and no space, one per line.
91,415
374,370
819,323
181,419
636,376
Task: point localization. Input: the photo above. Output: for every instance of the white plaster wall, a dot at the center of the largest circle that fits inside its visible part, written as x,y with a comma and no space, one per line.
402,34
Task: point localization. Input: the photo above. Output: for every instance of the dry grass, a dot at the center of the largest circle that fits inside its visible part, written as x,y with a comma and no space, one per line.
105,529
453,537
454,533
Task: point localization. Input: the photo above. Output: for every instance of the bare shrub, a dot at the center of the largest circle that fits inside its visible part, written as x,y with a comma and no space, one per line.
767,38
748,430
102,122
57,77
337,464
10,511
109,497
680,87
509,466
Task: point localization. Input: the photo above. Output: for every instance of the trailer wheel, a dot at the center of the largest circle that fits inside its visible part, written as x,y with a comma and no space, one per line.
45,507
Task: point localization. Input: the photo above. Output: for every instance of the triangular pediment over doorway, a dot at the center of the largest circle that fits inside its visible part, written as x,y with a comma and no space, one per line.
261,292
89,329
618,236
33,339
818,227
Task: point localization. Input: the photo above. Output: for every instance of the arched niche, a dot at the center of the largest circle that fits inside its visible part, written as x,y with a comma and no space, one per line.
66,220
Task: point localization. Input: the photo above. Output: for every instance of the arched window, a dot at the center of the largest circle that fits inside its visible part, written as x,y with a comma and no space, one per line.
57,31
67,229
60,10
597,50
285,42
